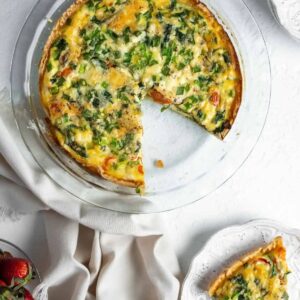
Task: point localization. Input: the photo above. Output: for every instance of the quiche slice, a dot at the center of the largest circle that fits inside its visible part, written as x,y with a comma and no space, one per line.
201,77
260,275
104,56
94,107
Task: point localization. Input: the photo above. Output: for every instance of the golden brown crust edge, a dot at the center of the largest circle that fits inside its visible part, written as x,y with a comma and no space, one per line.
276,243
126,183
42,68
158,97
235,61
55,34
94,170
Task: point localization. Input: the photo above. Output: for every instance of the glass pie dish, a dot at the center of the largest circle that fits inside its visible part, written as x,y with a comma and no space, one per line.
196,163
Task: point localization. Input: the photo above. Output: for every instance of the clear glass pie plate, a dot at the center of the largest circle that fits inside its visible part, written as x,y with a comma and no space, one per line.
196,163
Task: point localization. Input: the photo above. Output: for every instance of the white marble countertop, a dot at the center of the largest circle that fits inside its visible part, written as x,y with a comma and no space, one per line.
267,186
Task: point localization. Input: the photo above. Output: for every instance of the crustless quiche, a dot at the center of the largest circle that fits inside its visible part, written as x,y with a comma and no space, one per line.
261,275
105,56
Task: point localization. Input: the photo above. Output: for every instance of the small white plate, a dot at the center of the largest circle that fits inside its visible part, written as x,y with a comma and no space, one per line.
231,243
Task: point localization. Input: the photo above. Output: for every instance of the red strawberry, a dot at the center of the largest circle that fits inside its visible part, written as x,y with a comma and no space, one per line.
27,295
4,254
15,271
2,283
12,294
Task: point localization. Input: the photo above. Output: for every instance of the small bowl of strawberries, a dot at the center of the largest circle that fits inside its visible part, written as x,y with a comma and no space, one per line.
18,275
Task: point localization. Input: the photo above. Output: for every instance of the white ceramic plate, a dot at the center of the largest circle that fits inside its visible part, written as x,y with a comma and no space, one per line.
231,243
289,11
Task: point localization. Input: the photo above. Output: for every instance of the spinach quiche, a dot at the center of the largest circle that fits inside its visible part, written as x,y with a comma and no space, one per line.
102,59
261,275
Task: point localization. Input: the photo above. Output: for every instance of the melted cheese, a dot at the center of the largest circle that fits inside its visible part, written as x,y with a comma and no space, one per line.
117,78
127,17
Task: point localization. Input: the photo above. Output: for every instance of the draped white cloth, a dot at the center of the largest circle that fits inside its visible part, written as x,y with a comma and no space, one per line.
93,253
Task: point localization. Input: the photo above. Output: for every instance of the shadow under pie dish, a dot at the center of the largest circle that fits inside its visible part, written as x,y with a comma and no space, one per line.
103,58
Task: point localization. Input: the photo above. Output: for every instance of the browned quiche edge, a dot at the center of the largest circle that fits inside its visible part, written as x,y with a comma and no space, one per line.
277,243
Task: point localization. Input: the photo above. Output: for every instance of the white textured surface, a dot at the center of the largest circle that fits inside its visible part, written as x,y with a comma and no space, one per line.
288,14
267,186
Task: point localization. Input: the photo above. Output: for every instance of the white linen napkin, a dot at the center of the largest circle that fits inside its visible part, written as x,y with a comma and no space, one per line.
124,256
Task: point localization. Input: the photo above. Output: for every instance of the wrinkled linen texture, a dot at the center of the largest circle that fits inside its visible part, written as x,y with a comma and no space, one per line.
93,253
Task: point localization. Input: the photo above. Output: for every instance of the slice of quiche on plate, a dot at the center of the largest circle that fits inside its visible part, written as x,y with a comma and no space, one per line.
260,275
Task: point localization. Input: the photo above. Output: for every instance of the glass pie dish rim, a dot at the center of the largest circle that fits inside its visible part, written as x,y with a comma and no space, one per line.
166,194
